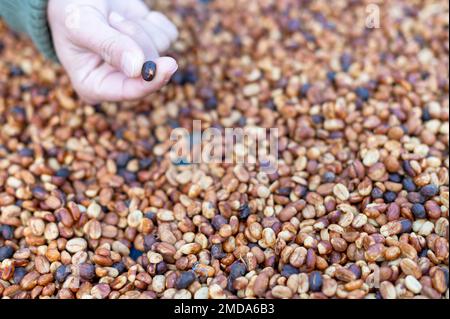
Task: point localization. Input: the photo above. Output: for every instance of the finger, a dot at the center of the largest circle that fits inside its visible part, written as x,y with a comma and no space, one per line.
137,33
115,48
160,21
160,38
138,10
110,85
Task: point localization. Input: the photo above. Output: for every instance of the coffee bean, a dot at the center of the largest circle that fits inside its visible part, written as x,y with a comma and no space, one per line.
148,71
6,252
185,280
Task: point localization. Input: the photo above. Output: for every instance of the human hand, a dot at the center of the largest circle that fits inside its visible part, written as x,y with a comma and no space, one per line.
103,44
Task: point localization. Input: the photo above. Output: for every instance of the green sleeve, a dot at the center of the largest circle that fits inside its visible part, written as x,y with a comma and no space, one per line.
30,17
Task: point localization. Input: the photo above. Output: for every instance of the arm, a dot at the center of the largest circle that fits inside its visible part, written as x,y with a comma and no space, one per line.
30,17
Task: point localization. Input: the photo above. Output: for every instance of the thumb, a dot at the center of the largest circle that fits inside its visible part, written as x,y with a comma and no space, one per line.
115,48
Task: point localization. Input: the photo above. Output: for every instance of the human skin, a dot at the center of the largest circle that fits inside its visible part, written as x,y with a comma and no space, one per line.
102,44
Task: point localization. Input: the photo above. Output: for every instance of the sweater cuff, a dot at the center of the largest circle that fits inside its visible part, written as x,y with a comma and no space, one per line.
30,16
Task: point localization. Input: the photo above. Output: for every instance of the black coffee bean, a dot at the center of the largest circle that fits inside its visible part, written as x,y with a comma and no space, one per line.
237,269
289,270
419,211
217,252
62,272
185,280
396,178
120,266
389,196
409,185
87,271
315,281
218,221
148,71
6,232
244,211
161,268
19,273
6,252
429,190
376,193
362,93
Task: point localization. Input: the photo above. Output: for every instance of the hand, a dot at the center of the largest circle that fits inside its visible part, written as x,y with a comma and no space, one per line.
103,44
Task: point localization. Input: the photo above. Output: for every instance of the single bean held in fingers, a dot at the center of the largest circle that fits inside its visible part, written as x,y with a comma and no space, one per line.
148,71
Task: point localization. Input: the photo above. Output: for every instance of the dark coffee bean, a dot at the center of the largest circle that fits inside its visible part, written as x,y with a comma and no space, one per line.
315,281
415,198
178,78
426,116
346,61
237,269
445,270
19,273
284,191
389,196
86,271
26,152
396,178
185,280
242,122
408,169
61,273
149,240
304,89
211,103
289,270
15,71
145,163
244,211
148,71
6,232
317,119
161,268
190,76
429,190
120,266
135,254
409,185
218,221
328,177
19,114
406,225
423,252
419,211
331,76
362,93
122,159
129,177
6,252
39,192
354,268
270,104
63,172
151,215
376,193
303,191
293,25
217,252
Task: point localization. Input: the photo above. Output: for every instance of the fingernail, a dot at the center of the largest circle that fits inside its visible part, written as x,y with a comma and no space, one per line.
173,68
114,17
130,64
